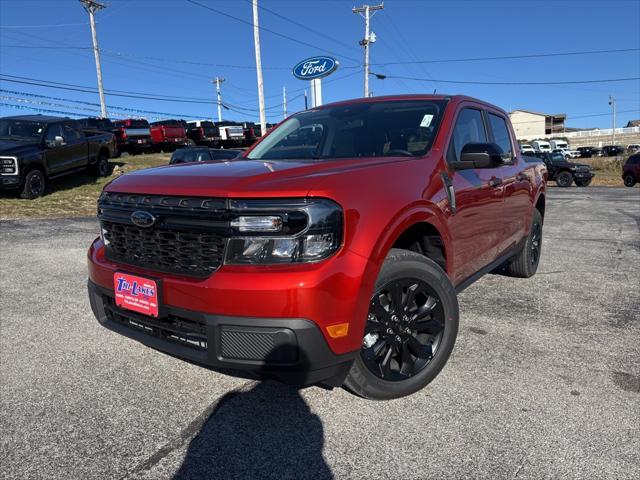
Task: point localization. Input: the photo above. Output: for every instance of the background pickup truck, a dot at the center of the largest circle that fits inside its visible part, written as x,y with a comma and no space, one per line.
133,136
168,135
203,132
332,251
565,172
36,148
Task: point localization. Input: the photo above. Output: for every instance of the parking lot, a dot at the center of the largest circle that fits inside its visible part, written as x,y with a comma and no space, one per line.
544,381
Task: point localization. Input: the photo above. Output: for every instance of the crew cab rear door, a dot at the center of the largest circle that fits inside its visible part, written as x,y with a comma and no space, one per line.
475,224
58,154
77,145
518,193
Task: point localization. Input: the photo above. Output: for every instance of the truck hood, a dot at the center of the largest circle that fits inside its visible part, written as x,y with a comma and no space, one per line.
16,147
239,178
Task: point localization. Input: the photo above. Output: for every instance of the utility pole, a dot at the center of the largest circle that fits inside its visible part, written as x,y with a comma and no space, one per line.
218,81
369,38
612,102
256,41
91,6
284,103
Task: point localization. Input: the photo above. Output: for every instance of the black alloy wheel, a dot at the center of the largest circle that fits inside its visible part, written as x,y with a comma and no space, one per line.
103,165
535,243
629,180
403,329
564,179
34,185
583,183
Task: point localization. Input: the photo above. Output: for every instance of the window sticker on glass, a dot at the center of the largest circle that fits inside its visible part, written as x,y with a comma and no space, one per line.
426,120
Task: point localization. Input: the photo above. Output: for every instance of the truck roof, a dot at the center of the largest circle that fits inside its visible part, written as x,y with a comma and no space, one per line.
38,118
414,96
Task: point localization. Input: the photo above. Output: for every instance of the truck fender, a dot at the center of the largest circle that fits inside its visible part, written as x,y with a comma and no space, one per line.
417,213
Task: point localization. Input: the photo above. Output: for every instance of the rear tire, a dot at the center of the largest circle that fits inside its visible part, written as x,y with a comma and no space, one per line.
414,300
629,180
564,179
101,168
34,185
525,263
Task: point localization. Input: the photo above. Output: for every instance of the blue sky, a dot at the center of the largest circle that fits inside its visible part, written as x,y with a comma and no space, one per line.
174,48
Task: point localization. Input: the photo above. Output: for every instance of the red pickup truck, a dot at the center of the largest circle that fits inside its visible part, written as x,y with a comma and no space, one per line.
132,135
330,252
169,135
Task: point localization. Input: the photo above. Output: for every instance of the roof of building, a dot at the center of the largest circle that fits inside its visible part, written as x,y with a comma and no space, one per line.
563,115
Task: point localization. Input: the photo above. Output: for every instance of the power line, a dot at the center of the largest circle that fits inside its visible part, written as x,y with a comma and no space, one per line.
45,26
512,57
306,28
120,93
265,29
470,82
111,107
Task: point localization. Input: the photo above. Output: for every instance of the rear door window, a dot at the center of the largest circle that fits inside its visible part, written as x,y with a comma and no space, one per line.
501,134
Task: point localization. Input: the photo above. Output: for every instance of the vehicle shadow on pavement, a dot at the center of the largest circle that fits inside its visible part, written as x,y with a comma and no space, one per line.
268,431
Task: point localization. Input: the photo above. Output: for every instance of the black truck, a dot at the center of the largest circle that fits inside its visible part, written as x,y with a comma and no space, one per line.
37,148
564,172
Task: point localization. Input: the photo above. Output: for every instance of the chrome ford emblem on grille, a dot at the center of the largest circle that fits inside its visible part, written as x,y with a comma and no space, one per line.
142,219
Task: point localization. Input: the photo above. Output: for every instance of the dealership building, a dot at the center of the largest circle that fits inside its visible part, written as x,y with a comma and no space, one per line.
530,125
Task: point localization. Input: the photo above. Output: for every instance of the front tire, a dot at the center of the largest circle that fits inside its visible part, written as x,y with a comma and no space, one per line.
564,179
629,180
34,185
410,331
525,263
583,183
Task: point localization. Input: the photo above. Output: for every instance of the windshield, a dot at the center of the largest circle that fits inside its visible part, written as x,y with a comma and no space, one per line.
21,129
401,128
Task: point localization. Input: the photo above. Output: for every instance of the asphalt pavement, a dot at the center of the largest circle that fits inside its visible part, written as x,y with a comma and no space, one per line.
544,381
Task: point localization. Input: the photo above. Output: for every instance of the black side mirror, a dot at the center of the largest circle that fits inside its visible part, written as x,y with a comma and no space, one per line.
479,155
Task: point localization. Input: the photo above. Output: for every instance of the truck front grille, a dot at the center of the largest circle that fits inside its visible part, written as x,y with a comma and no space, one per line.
188,236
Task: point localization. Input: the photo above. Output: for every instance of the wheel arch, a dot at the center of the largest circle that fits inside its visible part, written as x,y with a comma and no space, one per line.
418,223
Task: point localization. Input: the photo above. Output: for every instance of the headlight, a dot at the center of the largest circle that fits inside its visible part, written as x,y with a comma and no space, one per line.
8,165
283,231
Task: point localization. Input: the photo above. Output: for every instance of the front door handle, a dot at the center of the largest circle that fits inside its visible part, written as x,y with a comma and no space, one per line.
521,177
495,182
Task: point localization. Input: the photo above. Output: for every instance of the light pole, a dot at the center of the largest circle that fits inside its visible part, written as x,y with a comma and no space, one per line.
218,81
612,102
256,42
92,7
369,38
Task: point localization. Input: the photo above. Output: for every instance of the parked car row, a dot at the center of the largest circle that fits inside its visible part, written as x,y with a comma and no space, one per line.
136,135
560,146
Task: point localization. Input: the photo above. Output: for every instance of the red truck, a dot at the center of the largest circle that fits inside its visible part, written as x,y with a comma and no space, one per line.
168,135
133,135
332,251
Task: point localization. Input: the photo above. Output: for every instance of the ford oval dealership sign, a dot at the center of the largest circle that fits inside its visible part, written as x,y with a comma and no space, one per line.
316,67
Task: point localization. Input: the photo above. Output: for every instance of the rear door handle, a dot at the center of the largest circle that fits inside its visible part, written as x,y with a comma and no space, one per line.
495,182
521,177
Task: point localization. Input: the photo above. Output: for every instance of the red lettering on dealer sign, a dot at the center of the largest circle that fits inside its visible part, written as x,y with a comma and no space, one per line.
136,293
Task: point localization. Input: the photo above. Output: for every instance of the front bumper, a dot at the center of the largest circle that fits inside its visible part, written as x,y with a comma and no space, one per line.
10,182
291,350
583,175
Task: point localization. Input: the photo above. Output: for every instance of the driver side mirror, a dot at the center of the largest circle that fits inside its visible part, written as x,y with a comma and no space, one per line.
57,141
479,155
